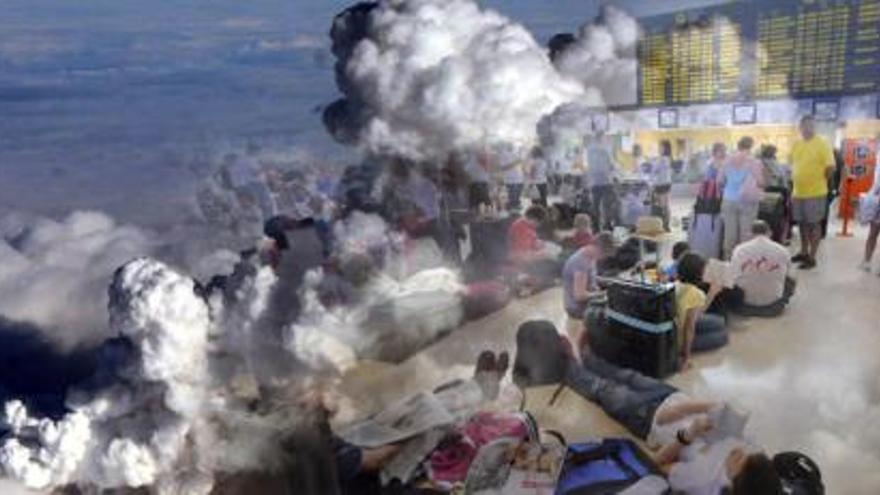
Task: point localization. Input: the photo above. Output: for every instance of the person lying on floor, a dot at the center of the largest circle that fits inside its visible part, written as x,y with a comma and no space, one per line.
358,468
697,330
681,431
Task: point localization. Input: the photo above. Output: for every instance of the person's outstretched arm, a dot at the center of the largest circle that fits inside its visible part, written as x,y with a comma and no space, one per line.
683,410
670,453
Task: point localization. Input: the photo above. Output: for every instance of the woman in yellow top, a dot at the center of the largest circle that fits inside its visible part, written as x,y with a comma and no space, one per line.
697,330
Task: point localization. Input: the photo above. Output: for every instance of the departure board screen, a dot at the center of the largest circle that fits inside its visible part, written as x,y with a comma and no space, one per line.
753,49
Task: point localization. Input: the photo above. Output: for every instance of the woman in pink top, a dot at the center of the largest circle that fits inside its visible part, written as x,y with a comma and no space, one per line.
742,183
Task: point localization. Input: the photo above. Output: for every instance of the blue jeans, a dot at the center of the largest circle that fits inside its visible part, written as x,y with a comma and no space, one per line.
514,196
626,395
710,333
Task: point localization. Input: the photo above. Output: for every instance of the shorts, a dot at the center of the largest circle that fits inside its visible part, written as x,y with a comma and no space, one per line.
809,210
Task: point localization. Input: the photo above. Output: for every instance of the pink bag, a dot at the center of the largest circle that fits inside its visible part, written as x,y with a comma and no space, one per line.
450,463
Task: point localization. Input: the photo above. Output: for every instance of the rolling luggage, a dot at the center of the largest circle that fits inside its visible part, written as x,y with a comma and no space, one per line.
637,330
608,467
706,235
485,298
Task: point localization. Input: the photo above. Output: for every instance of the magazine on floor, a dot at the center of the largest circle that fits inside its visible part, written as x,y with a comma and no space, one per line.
406,419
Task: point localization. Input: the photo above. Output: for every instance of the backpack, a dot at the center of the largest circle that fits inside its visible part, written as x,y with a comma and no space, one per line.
800,475
708,198
607,467
542,355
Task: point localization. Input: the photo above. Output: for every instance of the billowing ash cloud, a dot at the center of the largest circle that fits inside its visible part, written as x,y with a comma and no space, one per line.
204,386
55,274
424,77
170,420
602,56
133,432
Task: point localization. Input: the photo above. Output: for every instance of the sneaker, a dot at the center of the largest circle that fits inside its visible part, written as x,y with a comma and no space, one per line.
865,266
799,258
485,362
808,264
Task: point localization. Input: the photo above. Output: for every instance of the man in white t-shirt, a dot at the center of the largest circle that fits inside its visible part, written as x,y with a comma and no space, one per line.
699,443
761,267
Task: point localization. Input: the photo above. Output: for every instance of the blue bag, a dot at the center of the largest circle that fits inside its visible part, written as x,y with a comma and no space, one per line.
604,468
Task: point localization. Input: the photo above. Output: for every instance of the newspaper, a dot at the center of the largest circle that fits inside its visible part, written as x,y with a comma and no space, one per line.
405,464
406,419
720,273
727,422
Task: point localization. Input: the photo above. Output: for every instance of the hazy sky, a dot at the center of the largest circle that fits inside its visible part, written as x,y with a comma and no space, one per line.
109,104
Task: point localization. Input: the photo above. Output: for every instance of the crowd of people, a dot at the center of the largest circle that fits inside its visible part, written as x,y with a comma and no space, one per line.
569,225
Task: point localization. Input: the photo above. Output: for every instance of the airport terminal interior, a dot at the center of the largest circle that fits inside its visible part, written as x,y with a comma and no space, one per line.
465,247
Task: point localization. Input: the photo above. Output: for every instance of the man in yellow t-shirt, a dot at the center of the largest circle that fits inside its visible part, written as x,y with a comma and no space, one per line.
812,164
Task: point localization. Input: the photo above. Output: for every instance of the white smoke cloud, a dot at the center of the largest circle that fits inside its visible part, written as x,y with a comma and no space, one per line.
133,433
442,75
171,423
55,274
603,58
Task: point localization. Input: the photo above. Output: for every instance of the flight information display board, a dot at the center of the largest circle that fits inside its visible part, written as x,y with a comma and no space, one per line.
760,49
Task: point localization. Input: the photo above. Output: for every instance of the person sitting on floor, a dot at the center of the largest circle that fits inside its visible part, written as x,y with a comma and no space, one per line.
583,233
679,429
697,330
529,255
762,269
580,281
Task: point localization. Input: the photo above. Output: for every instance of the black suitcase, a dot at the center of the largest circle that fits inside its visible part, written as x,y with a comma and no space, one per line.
637,330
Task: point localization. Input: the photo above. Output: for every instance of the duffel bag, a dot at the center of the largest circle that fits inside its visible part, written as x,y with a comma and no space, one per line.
607,467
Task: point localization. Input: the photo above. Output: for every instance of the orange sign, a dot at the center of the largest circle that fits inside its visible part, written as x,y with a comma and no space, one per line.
859,158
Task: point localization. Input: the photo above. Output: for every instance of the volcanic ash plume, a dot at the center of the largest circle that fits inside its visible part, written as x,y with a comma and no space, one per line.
168,421
55,274
425,77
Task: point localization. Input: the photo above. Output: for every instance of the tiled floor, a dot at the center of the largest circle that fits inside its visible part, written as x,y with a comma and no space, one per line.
810,378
